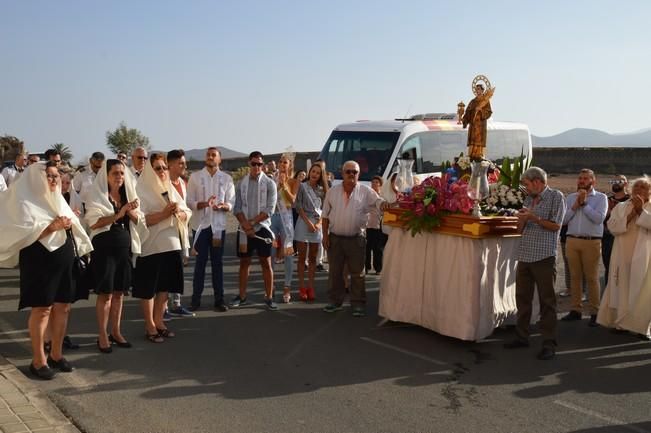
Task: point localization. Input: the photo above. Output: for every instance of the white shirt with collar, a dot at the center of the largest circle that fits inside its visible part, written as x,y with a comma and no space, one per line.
10,174
3,184
348,216
135,172
83,181
201,186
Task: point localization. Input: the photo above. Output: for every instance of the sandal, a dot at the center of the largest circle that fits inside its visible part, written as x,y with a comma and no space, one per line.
154,338
166,333
287,297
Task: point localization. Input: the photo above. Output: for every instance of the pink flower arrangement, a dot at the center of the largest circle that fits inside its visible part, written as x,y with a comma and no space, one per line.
432,199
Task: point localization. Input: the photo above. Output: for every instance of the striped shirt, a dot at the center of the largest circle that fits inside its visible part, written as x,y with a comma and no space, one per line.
348,216
538,243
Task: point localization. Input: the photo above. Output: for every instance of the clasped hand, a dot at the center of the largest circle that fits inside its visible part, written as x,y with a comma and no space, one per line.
60,223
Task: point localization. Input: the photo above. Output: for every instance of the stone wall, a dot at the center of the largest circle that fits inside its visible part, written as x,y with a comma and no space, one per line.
232,164
609,160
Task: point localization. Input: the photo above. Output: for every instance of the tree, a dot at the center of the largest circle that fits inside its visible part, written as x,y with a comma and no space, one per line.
66,153
10,146
125,139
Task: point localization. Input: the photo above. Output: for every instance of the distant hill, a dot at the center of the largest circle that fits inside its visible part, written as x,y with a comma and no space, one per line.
582,137
200,154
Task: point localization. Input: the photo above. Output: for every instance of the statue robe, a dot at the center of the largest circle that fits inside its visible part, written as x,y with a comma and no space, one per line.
476,117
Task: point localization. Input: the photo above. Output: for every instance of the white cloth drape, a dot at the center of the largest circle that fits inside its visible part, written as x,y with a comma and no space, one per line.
98,206
26,209
456,286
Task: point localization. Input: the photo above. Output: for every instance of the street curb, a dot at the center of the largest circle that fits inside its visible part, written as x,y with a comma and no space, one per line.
36,397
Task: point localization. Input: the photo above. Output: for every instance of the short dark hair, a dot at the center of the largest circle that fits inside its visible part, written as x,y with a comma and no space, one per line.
49,164
50,153
379,179
99,156
255,154
175,154
214,148
155,156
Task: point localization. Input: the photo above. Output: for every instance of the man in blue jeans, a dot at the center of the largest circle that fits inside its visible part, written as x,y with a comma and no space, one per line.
211,194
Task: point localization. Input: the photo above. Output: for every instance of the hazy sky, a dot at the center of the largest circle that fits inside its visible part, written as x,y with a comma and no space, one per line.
266,75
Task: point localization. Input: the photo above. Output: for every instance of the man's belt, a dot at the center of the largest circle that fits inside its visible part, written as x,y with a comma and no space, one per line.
587,238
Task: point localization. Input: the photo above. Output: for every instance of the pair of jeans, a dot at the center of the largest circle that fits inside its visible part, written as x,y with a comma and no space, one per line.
204,247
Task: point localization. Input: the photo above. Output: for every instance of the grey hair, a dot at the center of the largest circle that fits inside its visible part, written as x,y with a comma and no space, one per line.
646,180
351,162
533,173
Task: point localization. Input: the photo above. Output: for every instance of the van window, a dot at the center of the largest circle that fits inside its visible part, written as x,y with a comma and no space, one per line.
371,150
511,143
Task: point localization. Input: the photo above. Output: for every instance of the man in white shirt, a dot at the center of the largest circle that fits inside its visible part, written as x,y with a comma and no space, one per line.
138,159
84,179
345,215
3,184
13,171
211,194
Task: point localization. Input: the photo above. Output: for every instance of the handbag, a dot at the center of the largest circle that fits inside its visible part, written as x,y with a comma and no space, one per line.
80,271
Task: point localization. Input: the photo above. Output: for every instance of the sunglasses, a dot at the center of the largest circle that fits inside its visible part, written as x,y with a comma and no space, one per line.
617,182
52,176
353,172
160,168
256,164
142,158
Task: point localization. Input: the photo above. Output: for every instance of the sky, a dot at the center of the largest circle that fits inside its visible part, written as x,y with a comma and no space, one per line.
272,75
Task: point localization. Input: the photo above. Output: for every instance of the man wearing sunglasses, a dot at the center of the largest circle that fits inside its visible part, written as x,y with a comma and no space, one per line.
138,159
345,214
85,178
255,201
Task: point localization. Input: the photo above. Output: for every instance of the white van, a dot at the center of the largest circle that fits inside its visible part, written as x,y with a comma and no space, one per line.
429,139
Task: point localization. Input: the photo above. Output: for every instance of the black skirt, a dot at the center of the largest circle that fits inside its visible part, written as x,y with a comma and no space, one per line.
46,277
162,272
110,263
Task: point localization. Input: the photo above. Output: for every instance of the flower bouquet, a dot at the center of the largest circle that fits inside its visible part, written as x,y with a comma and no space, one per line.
432,199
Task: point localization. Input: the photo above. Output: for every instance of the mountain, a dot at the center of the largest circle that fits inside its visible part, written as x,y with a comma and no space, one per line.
581,137
200,154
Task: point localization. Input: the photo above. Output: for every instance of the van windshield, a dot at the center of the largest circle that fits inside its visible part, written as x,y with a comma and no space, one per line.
371,150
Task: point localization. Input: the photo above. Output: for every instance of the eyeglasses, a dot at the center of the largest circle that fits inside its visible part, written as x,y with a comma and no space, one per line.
256,164
122,157
160,168
52,176
353,172
617,182
142,158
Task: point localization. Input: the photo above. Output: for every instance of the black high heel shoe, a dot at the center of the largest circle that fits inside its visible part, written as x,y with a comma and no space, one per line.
125,344
104,349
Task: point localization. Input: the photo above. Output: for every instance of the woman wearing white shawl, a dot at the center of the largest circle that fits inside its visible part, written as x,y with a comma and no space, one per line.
36,225
117,230
159,268
626,302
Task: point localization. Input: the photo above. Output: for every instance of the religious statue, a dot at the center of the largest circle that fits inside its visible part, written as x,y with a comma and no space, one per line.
478,111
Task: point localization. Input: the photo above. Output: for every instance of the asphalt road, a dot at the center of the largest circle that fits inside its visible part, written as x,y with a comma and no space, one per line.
302,370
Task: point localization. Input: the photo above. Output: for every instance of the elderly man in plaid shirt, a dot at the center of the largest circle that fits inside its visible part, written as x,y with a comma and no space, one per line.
540,222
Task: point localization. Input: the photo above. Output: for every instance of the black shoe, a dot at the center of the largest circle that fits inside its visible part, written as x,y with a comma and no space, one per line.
220,308
45,372
516,344
124,344
104,349
572,316
546,353
68,344
320,267
194,307
593,321
61,365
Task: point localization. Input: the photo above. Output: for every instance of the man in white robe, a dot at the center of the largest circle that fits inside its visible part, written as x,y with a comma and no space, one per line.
626,303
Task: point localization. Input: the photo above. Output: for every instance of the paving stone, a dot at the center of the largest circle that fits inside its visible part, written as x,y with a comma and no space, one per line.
16,400
27,408
45,430
5,411
8,419
37,424
14,428
32,416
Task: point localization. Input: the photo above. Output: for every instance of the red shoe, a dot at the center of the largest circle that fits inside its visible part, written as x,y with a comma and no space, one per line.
302,293
310,294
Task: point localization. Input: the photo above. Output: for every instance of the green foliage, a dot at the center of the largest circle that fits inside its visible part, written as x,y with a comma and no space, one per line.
421,224
66,153
511,171
125,139
10,146
240,173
